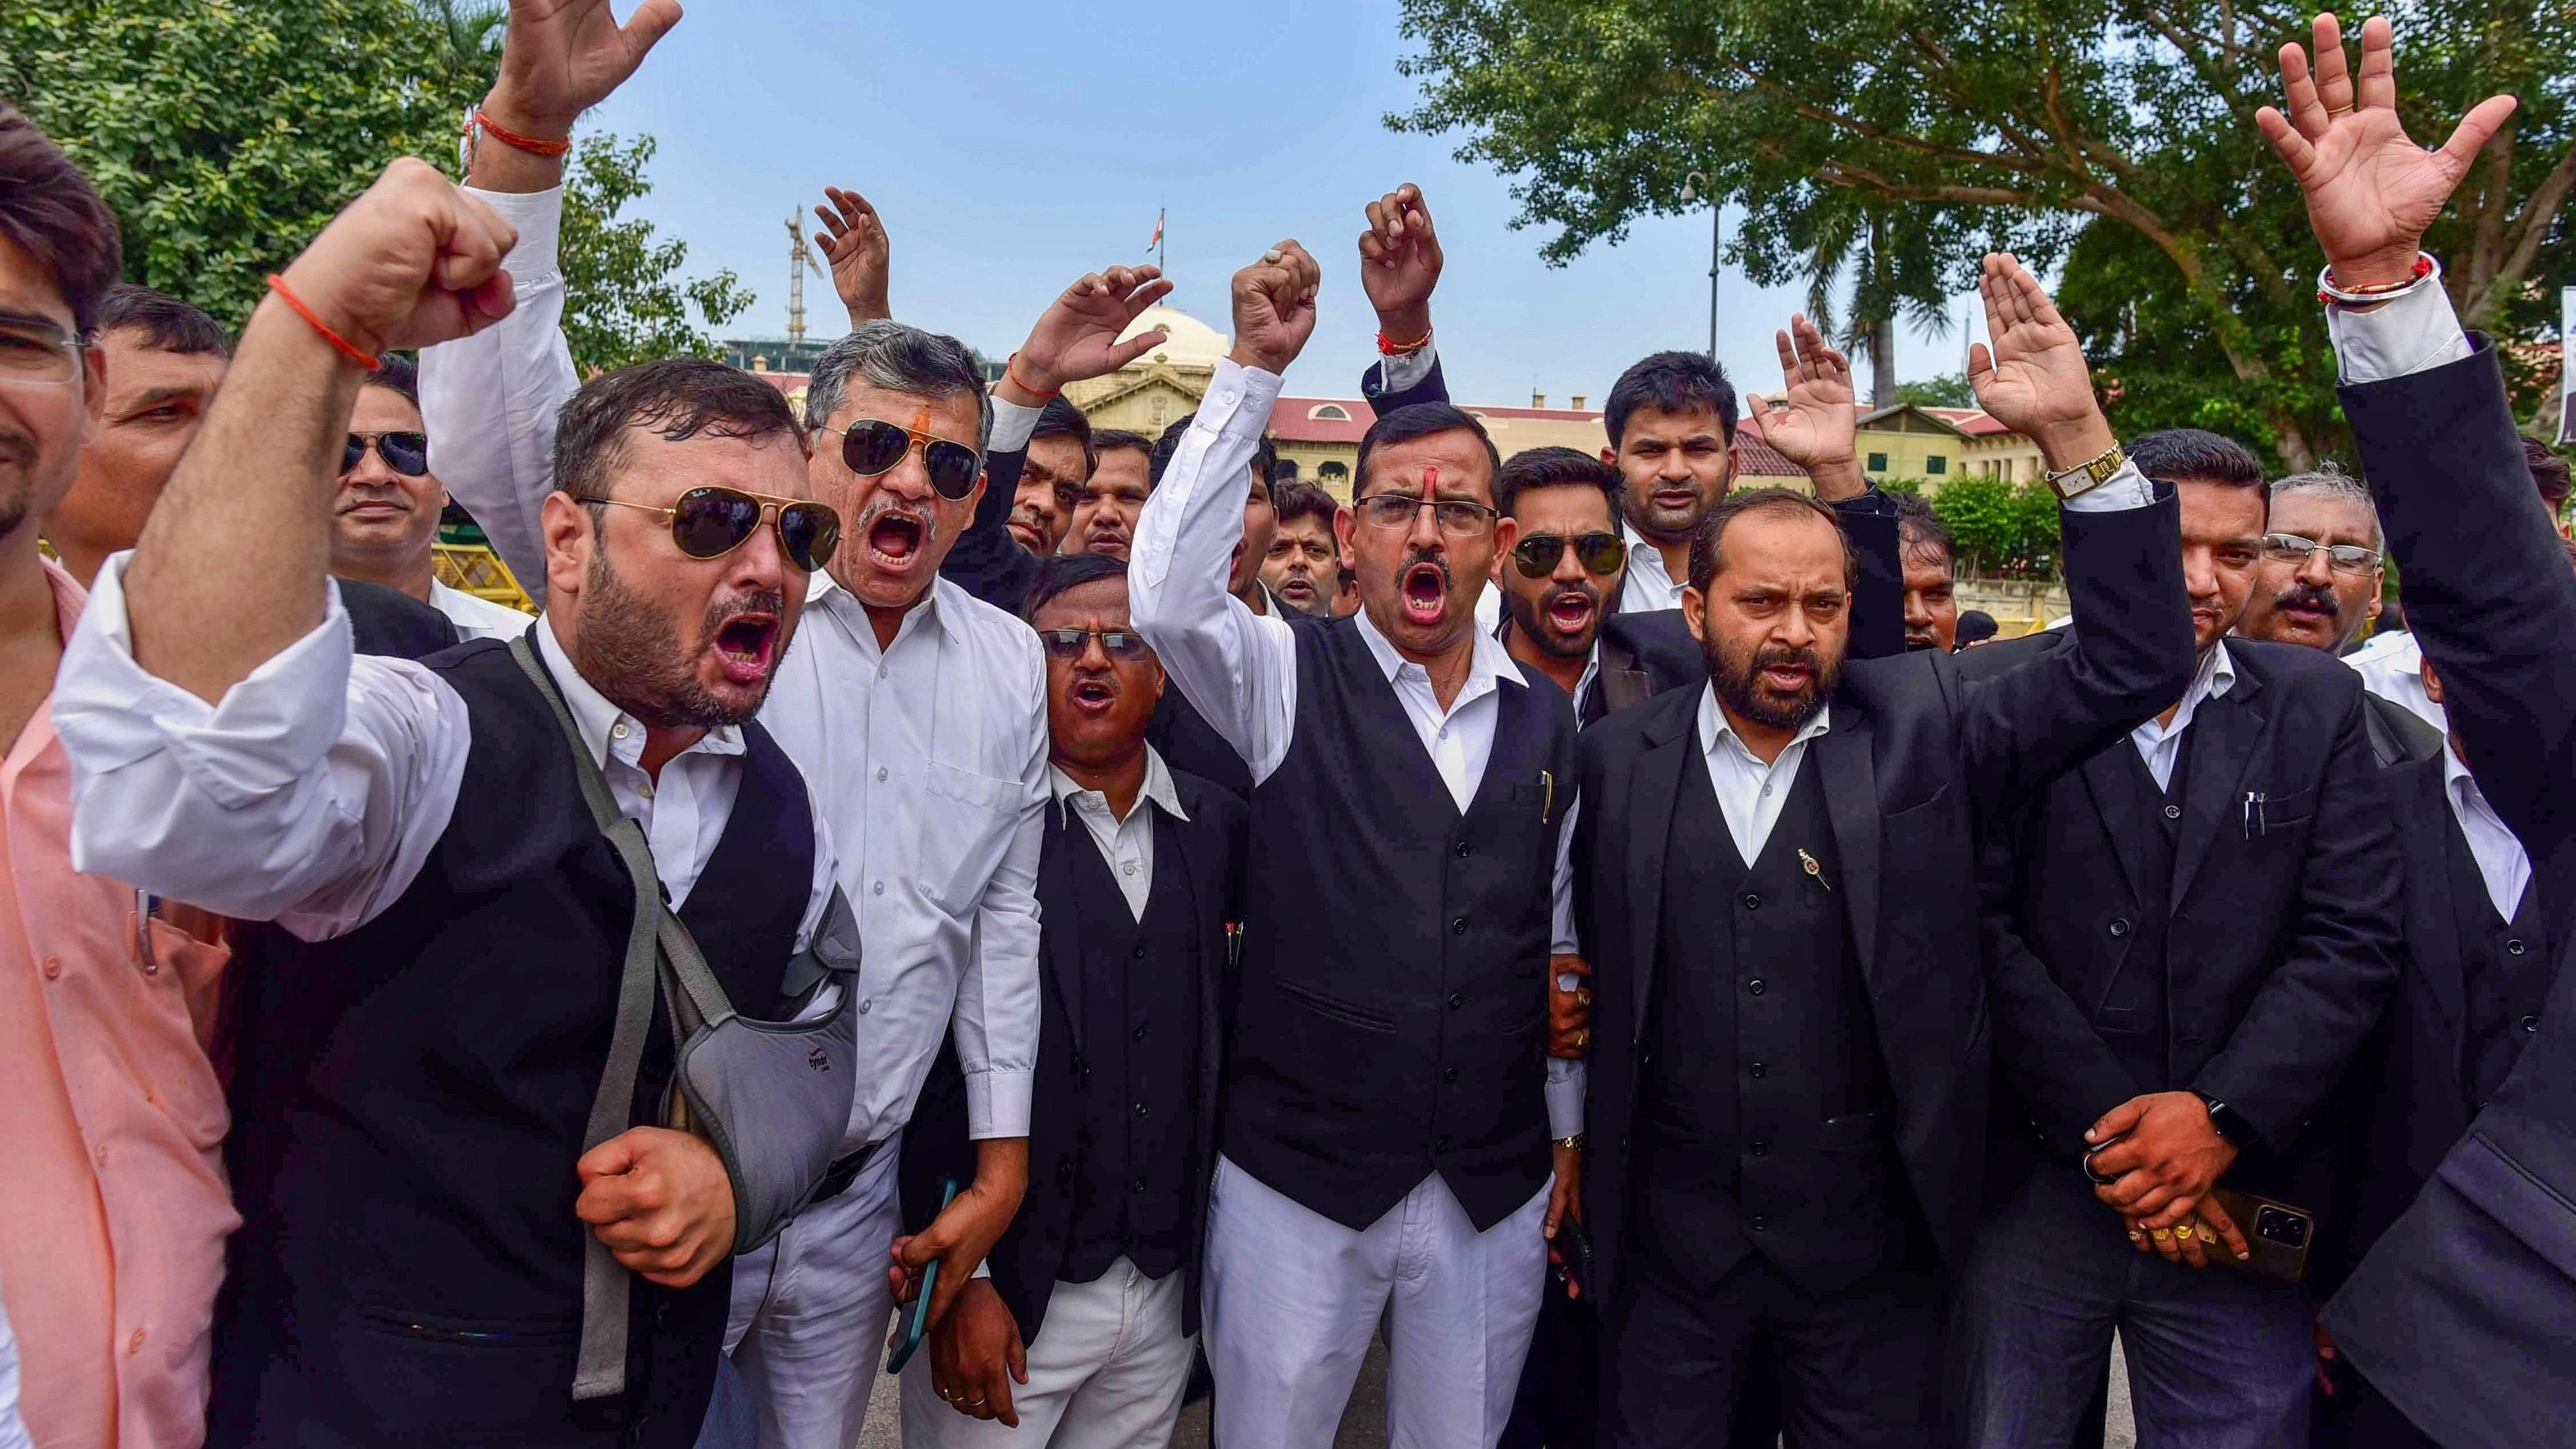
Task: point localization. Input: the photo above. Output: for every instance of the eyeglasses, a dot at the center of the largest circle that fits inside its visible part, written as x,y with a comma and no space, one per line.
712,522
872,446
1122,645
405,453
1456,516
1599,553
38,353
2345,558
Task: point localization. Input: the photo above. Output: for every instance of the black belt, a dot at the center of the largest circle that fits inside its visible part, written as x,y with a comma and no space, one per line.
837,1179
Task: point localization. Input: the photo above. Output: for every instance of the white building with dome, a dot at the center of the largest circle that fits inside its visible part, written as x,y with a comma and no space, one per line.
1165,385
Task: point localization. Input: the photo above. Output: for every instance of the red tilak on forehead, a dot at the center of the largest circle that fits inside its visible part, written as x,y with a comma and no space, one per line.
920,420
1430,480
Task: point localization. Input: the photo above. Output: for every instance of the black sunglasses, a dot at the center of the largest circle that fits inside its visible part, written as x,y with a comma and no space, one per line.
1599,553
405,453
712,522
1123,645
872,446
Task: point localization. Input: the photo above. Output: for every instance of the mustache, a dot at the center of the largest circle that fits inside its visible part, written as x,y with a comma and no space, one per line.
1433,557
1778,654
2309,596
880,507
1583,590
757,601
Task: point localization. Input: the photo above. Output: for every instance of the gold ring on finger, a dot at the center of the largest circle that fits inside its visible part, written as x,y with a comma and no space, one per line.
2182,1232
1273,255
2160,1234
2334,111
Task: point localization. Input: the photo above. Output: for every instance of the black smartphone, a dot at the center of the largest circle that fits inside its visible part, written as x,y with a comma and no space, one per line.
916,1318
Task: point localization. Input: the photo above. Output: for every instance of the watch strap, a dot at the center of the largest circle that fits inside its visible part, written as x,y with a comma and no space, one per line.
2086,476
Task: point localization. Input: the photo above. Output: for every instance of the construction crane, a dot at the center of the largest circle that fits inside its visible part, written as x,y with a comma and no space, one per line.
799,258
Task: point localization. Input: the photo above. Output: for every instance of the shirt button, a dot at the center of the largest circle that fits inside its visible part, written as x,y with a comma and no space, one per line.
1757,1071
1137,1186
2173,812
1457,999
134,1341
867,1005
1140,1109
617,731
877,889
881,772
2513,948
1458,927
2119,928
1755,987
102,1154
1752,902
1758,1224
1127,867
53,969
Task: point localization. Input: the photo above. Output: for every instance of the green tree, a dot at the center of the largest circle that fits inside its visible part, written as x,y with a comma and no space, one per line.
2115,135
2002,531
1950,390
225,133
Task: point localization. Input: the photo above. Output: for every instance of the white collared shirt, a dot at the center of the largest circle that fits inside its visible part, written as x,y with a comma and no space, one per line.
476,617
1751,793
1648,586
314,791
2392,667
2160,744
1126,846
2502,862
927,757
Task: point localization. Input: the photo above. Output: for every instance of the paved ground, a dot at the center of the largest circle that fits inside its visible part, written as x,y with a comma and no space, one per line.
1364,1422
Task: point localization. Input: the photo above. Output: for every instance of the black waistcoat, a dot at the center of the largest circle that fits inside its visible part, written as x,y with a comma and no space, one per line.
1140,1005
1392,1017
2504,967
410,1101
1766,1118
2135,1017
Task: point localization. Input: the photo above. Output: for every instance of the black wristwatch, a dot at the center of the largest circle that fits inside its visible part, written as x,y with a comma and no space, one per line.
2230,1123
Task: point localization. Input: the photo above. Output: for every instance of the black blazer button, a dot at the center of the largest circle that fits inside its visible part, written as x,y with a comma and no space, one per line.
1759,1223
1448,1074
2119,928
2513,948
1457,999
1755,987
1462,850
2531,1023
1458,927
1752,901
1439,1144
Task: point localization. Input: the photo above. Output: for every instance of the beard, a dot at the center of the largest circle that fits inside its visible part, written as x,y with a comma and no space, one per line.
1737,678
1530,617
632,653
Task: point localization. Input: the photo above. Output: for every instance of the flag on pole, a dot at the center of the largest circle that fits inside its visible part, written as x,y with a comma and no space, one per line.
1158,231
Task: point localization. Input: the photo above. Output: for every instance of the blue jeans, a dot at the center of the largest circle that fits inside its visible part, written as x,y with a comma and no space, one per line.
2217,1359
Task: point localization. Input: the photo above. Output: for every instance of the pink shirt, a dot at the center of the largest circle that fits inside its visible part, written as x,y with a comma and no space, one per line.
113,1205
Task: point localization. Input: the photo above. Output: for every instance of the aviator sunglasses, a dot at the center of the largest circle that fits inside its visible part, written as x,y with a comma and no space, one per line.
872,446
1599,553
711,522
405,453
1123,645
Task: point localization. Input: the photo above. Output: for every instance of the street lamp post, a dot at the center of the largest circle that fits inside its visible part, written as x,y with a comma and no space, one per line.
1716,223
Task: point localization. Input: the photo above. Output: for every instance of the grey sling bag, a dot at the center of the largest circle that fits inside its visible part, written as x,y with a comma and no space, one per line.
772,1098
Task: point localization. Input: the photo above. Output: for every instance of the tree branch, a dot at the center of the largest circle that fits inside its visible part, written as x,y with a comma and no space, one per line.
2530,229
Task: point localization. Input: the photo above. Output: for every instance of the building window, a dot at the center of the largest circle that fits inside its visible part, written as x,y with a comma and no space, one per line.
1935,464
1329,413
1332,472
1878,462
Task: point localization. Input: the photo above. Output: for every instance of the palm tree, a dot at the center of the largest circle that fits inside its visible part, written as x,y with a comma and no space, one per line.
1890,254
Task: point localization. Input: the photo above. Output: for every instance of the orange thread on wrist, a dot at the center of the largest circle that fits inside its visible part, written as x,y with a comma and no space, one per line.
1010,369
343,345
1388,346
514,140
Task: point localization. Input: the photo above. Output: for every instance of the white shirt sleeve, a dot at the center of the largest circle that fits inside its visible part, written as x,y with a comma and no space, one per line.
2415,331
1012,425
13,1432
489,401
2125,489
309,795
1565,1080
995,1022
1405,372
1239,668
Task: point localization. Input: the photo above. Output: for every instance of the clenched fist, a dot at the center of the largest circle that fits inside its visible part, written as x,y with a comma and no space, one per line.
1274,307
413,261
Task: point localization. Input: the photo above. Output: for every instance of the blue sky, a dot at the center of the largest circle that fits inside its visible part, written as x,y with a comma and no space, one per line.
1011,146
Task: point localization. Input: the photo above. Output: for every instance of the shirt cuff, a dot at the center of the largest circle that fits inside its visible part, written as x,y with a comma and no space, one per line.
1012,425
539,217
997,1102
2125,489
1564,1097
1403,372
2410,333
1238,400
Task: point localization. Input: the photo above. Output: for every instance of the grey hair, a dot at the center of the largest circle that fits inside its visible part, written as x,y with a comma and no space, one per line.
899,358
2333,482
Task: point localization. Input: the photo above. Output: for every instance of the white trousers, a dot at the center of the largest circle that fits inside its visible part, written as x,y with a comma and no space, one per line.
809,1313
1108,1371
1292,1298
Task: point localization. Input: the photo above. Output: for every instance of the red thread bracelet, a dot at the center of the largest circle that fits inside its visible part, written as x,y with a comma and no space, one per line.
346,348
1389,347
513,139
1043,396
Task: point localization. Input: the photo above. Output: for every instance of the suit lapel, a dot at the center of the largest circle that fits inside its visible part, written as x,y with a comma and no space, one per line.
1654,783
2432,921
1062,931
2224,731
2112,798
1842,758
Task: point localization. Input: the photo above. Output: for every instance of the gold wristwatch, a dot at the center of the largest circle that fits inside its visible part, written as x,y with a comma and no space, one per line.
2083,478
1575,1141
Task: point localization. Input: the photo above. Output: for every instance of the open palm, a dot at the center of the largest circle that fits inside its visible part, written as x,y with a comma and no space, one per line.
1814,417
2034,378
1077,338
565,56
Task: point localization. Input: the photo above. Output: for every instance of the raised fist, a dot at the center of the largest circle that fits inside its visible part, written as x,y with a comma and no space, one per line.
1400,262
413,261
1274,307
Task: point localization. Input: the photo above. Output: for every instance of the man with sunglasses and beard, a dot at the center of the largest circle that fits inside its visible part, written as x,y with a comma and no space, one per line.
385,520
1780,863
417,1153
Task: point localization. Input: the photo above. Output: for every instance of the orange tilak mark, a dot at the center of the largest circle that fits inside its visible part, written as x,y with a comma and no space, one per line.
1430,481
920,422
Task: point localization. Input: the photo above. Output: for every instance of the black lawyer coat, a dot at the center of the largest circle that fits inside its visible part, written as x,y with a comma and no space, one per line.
1916,757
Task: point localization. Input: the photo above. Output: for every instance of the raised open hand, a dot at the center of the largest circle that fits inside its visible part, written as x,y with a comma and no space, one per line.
1077,336
1400,262
413,261
562,57
1274,307
1812,420
854,242
2034,380
2371,191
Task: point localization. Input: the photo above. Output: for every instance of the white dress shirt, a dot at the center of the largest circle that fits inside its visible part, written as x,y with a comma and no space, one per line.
474,617
1240,668
927,757
313,792
2391,666
1126,845
1648,587
2502,862
2160,744
1750,793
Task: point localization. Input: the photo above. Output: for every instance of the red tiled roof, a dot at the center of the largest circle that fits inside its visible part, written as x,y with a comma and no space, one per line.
1754,455
1975,422
1291,420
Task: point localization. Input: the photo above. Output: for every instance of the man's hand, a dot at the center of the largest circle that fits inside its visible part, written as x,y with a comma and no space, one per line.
1814,419
2161,1155
1274,308
976,1355
2196,1240
966,1229
413,261
1565,1193
854,242
661,1202
2035,380
562,57
1077,336
2371,191
1400,263
1569,1013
